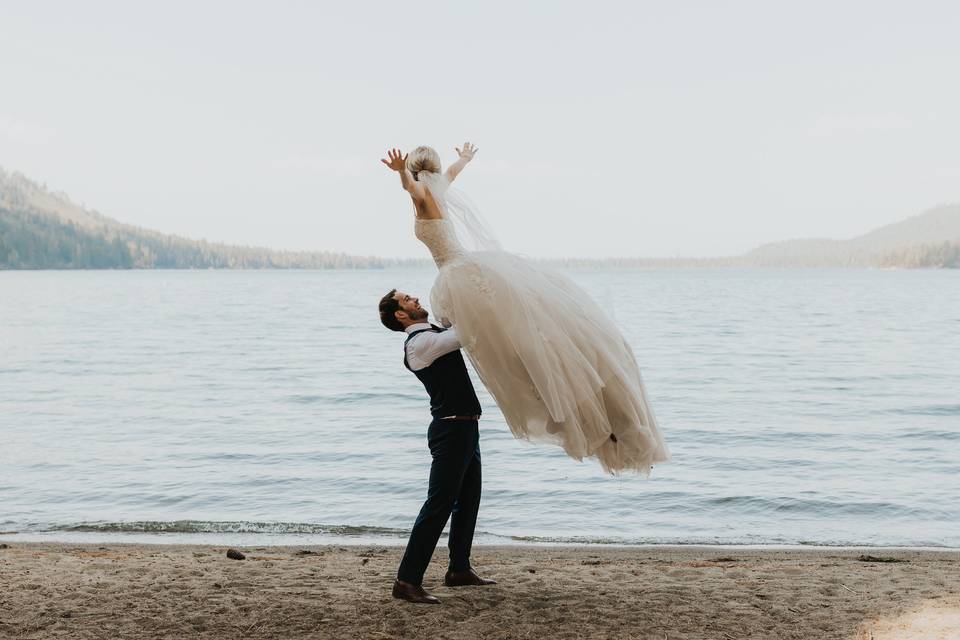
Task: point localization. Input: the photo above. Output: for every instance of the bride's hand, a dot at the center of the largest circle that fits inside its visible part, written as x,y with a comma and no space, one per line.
467,152
397,160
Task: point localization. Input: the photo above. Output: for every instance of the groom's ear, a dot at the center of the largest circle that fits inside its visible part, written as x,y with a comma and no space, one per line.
401,315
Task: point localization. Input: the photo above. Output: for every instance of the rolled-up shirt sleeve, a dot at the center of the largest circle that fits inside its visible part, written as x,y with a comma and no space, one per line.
426,347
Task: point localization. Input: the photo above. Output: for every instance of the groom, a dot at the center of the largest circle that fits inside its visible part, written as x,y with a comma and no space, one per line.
433,355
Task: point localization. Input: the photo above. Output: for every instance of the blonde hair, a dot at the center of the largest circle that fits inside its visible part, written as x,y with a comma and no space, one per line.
423,159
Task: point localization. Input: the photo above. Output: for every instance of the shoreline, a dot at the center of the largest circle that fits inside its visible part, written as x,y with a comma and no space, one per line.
286,539
108,590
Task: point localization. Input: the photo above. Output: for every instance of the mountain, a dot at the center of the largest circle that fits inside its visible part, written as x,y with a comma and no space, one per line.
42,229
929,239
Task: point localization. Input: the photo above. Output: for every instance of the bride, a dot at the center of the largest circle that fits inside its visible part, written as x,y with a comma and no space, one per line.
558,367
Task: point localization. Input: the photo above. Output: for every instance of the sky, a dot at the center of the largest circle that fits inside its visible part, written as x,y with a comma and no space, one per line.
604,128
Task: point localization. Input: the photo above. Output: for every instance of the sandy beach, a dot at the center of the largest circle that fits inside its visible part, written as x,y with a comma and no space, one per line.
166,591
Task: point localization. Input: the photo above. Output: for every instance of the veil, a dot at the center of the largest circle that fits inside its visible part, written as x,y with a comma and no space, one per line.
472,230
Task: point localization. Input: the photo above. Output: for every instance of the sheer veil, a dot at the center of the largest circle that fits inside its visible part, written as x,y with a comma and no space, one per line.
472,230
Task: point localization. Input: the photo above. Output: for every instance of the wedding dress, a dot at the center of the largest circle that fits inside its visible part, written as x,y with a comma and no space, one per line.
557,366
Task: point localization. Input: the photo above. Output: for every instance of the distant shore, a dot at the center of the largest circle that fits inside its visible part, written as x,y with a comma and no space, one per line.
161,591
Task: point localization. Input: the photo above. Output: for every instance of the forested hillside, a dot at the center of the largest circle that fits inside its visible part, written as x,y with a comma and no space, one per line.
41,229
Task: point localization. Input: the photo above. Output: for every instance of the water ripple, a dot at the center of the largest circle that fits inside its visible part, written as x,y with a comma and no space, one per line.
225,401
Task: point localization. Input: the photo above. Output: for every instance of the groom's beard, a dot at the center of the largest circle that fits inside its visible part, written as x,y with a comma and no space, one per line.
418,315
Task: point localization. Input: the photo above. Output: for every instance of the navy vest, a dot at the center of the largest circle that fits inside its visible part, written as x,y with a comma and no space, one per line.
448,383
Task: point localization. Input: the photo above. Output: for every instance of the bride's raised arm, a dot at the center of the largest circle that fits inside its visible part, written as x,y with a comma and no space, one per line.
466,155
398,162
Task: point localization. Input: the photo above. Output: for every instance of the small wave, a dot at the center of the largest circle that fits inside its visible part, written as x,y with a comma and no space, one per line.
821,508
925,434
928,410
351,397
751,541
204,526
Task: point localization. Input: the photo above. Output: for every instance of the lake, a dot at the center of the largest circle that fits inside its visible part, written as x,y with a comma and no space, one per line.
800,406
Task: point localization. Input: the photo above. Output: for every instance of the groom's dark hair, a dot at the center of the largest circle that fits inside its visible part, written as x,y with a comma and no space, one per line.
388,311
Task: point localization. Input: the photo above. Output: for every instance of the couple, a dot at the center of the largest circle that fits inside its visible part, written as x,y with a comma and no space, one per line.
557,366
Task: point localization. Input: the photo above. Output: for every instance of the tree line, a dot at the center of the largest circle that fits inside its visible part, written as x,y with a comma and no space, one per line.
36,240
944,255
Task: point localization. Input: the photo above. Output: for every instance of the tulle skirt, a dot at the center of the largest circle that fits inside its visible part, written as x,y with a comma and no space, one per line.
558,367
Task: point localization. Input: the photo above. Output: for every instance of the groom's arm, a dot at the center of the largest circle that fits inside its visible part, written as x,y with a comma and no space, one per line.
426,347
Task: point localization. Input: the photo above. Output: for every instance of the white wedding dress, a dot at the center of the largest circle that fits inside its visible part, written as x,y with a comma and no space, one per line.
558,367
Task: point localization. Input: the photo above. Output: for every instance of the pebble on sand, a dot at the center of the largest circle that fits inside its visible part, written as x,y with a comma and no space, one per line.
233,554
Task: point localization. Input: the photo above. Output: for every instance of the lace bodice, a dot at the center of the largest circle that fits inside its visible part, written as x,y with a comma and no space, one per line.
440,238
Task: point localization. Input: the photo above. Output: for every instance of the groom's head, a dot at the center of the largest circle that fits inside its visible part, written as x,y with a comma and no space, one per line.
399,310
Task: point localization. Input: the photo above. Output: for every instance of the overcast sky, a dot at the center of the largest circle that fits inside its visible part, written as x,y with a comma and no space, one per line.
605,129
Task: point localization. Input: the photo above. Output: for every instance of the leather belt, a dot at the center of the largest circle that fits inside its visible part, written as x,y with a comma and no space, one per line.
460,418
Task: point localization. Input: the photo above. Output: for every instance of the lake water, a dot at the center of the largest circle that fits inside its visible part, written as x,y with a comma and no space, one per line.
801,407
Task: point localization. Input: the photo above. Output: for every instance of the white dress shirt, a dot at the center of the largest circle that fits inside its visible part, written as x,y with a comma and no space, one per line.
424,348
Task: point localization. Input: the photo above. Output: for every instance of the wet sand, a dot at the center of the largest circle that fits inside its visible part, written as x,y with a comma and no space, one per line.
50,590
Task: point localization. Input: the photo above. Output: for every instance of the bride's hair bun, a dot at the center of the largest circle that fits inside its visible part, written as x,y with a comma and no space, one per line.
423,159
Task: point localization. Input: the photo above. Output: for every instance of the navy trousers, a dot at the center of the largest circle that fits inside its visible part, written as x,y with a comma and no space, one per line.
453,493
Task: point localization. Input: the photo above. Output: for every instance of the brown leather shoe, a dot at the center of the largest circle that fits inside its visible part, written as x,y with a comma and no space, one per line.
413,593
465,579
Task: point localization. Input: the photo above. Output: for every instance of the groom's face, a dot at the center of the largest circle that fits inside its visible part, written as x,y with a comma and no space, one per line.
410,306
